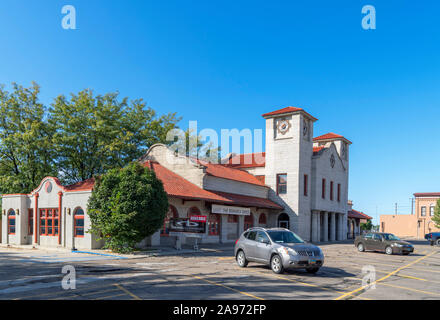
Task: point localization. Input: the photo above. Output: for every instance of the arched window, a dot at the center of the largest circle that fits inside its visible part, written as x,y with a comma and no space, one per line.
262,220
78,222
214,224
248,221
283,221
11,221
171,214
193,211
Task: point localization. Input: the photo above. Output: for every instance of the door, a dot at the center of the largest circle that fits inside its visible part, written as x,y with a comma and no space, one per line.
377,243
263,247
249,245
369,242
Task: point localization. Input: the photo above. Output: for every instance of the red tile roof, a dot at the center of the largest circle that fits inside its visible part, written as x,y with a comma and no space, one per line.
248,201
85,185
317,149
225,172
247,160
177,186
330,136
358,215
287,110
427,194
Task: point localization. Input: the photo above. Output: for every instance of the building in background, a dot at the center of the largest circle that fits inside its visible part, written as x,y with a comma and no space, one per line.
354,220
415,225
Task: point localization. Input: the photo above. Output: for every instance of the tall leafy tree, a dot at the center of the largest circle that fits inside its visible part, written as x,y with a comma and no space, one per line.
94,133
436,217
26,153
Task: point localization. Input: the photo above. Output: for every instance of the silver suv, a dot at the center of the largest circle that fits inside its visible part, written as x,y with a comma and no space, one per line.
280,248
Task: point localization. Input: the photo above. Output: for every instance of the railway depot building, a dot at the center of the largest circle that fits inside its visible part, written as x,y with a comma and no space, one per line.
299,183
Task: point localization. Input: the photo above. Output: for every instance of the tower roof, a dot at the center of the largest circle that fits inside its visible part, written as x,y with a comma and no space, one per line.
288,110
331,136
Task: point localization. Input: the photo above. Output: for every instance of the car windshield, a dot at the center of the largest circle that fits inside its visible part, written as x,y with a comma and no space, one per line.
389,236
284,237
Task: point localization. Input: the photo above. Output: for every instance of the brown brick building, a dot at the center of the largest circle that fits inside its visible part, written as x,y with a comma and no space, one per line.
415,225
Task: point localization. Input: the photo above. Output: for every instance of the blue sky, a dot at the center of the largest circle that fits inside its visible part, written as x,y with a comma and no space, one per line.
224,63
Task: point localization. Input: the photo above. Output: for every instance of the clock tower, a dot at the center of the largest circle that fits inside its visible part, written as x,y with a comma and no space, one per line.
289,149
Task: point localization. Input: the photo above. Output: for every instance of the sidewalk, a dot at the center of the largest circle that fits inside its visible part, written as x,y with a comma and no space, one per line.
145,253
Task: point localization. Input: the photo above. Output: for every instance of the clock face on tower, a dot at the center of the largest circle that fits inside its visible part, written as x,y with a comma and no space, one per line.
283,126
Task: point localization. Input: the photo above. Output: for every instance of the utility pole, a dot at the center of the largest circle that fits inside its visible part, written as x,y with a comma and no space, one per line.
412,205
396,208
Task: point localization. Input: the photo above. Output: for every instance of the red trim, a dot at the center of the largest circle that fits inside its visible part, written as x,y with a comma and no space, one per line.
50,215
214,224
78,217
36,218
60,197
11,217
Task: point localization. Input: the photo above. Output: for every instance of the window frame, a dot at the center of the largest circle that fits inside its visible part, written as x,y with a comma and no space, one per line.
423,212
248,224
12,216
281,184
265,219
46,217
78,217
306,185
331,190
214,222
30,222
165,229
323,187
431,210
339,192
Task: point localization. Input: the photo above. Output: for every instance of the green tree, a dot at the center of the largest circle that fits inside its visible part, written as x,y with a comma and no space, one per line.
367,226
194,145
98,133
26,153
126,206
436,217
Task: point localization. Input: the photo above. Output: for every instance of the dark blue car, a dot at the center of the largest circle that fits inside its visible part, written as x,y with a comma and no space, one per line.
433,237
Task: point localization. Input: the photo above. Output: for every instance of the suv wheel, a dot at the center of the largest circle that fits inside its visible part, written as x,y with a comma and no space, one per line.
276,264
389,250
241,259
361,247
437,242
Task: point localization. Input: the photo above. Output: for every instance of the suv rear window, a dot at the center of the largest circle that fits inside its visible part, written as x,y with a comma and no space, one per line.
252,235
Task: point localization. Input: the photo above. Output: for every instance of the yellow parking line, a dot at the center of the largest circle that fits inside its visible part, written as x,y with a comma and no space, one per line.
127,292
410,289
385,277
226,258
113,296
87,294
222,285
304,283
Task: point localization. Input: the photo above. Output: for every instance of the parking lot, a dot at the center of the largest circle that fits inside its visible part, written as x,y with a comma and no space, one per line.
213,274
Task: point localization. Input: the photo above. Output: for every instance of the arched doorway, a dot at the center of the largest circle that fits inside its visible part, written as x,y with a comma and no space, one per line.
283,221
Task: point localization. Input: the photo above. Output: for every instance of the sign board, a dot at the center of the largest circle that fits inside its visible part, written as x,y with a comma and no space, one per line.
230,210
186,225
198,218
